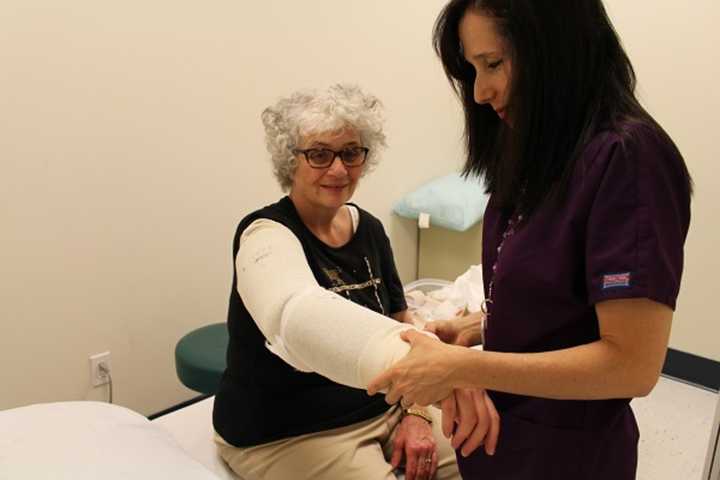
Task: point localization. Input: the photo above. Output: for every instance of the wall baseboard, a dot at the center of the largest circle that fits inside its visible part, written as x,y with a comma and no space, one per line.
184,404
693,369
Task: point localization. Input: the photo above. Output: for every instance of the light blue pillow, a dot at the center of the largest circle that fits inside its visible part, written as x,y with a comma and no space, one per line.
451,201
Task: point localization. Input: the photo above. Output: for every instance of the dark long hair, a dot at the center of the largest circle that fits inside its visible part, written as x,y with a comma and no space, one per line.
571,78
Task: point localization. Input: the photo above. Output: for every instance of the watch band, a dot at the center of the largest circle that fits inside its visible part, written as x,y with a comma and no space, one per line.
418,413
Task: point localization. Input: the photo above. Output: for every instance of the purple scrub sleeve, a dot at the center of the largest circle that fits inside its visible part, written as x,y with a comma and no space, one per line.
637,225
618,233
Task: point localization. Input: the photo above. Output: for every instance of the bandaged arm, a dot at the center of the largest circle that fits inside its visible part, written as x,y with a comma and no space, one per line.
310,328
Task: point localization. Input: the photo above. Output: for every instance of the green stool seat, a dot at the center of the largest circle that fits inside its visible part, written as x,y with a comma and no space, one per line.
200,357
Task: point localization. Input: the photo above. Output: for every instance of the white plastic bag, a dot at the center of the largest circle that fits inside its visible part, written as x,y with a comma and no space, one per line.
432,299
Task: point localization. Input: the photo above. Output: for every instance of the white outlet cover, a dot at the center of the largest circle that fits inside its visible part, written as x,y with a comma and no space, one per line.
96,378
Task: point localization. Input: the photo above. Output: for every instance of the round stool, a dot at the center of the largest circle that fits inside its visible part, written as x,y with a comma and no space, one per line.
200,357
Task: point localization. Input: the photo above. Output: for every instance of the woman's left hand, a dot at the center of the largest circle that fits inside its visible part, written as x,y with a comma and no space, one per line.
414,438
470,419
422,376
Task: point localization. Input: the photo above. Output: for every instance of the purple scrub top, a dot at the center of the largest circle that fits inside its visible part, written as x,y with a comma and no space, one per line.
618,234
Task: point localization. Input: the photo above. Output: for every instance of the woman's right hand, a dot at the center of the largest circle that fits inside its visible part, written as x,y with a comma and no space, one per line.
465,331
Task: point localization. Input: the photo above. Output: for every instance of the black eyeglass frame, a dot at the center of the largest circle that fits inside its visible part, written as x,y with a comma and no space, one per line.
336,154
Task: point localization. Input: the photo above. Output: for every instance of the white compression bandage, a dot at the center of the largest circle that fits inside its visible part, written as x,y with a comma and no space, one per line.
311,328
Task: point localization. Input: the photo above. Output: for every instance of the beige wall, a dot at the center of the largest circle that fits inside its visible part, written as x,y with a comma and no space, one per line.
447,254
130,145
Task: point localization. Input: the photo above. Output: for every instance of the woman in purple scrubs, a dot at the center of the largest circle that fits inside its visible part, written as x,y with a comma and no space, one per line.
582,242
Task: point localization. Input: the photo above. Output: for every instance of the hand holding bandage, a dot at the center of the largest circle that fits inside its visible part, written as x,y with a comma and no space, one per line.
465,331
423,376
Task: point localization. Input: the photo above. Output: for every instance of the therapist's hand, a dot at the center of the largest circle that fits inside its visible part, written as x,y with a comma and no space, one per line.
465,331
470,416
423,376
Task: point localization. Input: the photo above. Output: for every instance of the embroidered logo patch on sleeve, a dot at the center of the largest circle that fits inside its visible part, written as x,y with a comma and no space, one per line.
615,280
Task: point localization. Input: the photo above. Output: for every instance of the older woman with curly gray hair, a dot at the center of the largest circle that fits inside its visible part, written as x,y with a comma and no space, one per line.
292,119
315,312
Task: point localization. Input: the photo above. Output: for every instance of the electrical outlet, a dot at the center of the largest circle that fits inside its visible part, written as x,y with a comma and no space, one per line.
97,377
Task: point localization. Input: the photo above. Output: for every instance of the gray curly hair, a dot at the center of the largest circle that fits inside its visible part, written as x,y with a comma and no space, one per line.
310,112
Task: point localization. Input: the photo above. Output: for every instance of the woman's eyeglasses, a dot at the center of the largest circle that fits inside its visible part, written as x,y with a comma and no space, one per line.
324,157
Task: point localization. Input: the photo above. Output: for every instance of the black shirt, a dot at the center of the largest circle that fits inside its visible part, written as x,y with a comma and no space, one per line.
262,398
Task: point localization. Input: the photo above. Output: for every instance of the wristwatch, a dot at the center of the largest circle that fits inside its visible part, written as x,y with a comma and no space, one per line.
418,413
